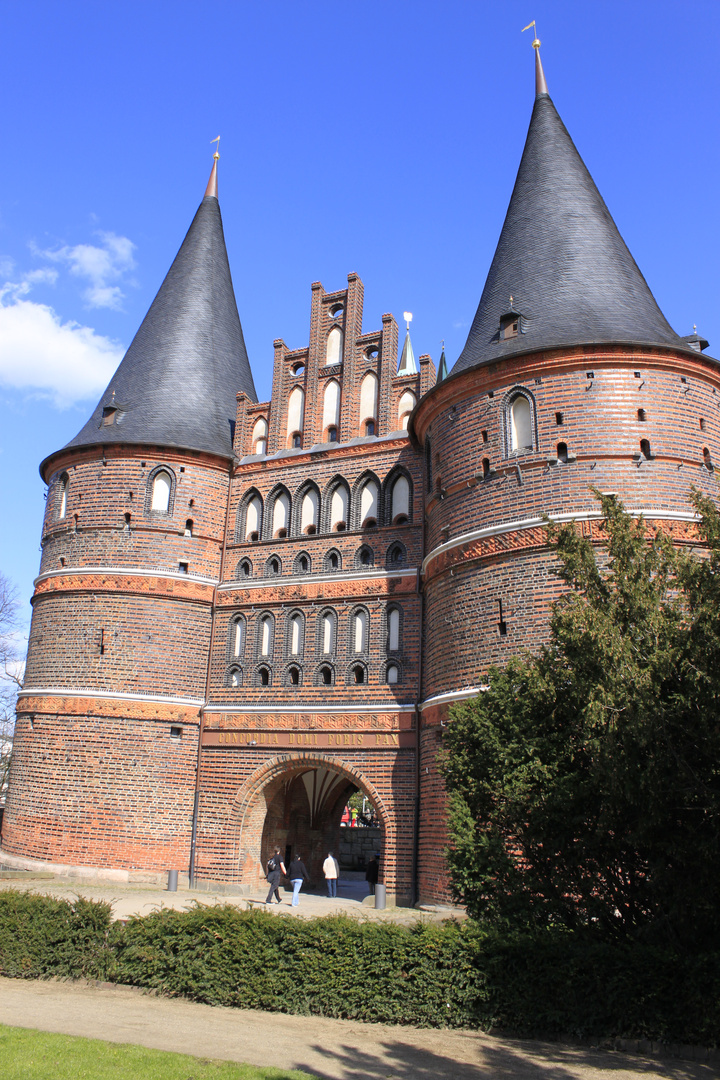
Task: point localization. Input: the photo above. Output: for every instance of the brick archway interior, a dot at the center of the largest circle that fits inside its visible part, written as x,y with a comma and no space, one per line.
297,809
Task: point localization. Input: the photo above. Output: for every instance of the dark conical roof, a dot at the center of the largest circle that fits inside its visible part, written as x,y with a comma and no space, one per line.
562,260
178,381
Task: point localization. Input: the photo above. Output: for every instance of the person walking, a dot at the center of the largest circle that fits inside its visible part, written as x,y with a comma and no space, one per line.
275,867
371,874
331,870
297,873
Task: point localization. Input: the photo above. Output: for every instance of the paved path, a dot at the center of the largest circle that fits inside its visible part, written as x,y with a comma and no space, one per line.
129,900
331,1049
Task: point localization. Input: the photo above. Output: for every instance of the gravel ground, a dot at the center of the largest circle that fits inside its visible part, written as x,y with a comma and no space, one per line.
331,1049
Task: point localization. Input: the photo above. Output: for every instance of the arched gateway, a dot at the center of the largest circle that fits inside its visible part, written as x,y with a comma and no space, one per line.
294,803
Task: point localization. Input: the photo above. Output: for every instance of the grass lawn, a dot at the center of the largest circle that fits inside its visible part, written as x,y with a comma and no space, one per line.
26,1054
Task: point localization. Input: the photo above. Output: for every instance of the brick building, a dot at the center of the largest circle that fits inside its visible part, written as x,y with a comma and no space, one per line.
246,611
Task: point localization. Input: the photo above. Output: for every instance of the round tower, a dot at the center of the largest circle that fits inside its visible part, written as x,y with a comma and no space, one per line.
106,742
571,378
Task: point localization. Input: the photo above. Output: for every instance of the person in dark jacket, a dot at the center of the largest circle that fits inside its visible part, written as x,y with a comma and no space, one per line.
297,873
371,874
275,867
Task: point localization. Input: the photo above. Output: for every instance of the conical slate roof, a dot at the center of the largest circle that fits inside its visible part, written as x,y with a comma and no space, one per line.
177,383
561,259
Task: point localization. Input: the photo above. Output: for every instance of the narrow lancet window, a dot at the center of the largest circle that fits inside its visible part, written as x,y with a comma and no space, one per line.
162,486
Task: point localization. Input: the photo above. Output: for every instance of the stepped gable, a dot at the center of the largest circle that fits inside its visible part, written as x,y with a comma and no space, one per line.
177,383
561,258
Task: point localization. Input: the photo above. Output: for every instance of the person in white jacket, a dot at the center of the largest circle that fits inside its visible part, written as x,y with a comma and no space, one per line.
331,870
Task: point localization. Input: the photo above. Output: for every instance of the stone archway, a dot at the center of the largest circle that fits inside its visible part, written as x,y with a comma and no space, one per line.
296,803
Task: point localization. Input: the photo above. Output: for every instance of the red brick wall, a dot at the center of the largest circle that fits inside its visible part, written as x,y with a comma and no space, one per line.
102,790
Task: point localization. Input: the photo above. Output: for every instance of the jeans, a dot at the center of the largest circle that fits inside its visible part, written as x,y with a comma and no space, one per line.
296,884
331,886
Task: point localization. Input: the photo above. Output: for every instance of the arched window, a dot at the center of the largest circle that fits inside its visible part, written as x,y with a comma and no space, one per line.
296,636
234,678
236,637
392,674
368,402
406,404
332,561
359,631
331,407
393,626
339,508
243,569
310,512
400,501
281,515
645,448
296,409
253,518
266,635
369,497
364,556
359,675
328,632
293,678
334,350
259,436
264,676
302,563
161,489
520,424
325,676
396,556
273,567
62,505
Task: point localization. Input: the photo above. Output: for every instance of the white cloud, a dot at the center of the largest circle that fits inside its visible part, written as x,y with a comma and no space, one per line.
39,353
102,267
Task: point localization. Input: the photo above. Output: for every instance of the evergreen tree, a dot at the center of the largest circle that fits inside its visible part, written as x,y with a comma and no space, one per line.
584,782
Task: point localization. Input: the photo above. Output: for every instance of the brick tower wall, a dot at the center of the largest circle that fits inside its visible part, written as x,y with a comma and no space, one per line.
106,742
489,578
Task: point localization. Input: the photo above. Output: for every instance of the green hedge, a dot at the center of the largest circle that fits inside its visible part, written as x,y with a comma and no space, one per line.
41,936
455,974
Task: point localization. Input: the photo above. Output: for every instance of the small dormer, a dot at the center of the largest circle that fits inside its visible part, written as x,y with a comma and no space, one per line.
511,324
695,341
112,413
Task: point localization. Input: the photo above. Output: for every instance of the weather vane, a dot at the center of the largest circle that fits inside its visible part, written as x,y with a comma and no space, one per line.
407,316
216,155
536,41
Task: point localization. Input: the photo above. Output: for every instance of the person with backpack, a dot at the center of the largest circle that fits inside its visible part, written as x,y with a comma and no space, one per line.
275,867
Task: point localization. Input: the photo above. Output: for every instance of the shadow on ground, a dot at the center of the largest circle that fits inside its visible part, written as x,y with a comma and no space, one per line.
506,1061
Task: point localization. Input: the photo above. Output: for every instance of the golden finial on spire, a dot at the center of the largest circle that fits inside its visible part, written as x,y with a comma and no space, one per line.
216,155
540,84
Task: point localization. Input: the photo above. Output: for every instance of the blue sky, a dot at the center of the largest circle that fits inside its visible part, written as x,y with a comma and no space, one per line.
381,138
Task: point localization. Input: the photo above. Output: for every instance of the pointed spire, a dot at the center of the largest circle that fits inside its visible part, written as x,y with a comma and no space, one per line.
211,190
540,84
561,257
407,365
442,367
177,384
